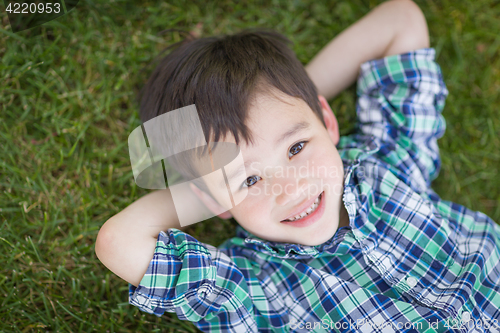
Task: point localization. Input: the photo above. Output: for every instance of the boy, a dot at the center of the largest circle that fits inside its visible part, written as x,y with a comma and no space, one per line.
359,242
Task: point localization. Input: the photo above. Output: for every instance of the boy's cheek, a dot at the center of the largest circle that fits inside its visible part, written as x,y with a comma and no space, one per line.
239,196
249,209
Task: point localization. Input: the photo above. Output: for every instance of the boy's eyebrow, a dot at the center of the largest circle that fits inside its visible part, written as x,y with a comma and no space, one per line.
297,128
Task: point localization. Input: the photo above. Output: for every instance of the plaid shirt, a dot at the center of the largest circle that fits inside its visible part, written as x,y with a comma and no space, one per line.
409,262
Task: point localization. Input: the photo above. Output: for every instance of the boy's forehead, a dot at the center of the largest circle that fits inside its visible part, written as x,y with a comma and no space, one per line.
273,98
272,115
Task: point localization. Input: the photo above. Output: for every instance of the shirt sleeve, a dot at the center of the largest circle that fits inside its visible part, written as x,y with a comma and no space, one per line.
194,280
400,100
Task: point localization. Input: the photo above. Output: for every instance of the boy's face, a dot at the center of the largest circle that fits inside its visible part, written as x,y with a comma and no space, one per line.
294,174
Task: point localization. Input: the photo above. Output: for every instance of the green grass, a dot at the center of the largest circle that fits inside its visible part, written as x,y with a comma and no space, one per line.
67,105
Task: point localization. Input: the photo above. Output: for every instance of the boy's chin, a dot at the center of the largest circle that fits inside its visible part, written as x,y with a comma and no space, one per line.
319,237
318,241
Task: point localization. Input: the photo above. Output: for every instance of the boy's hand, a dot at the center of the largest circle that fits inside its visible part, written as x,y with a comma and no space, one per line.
394,27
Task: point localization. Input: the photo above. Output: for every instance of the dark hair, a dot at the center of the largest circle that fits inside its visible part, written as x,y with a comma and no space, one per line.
220,75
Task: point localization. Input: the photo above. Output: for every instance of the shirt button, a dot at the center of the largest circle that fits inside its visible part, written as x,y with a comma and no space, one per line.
411,282
466,316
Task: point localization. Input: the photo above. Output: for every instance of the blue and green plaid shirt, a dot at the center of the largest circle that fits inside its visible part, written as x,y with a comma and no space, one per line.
409,262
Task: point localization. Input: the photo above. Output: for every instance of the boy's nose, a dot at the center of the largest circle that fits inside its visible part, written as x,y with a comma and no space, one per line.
287,190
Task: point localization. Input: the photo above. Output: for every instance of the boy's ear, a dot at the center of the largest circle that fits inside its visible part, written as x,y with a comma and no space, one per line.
210,203
332,126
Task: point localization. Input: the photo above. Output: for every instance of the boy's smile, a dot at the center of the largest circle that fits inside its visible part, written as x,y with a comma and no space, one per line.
307,214
294,174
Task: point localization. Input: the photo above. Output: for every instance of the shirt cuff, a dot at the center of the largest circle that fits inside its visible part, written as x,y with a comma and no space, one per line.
178,278
415,67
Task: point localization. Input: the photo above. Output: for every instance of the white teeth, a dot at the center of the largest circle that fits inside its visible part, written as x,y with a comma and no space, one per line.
306,212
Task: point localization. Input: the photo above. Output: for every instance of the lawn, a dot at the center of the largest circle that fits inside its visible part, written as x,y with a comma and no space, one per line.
68,103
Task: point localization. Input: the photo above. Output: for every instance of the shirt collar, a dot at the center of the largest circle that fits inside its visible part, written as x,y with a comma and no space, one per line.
289,250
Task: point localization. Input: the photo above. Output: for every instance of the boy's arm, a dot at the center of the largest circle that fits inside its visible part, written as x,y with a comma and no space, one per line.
126,242
183,273
394,27
401,92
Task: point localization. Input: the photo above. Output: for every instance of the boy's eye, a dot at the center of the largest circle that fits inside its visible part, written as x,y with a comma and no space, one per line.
296,148
251,181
